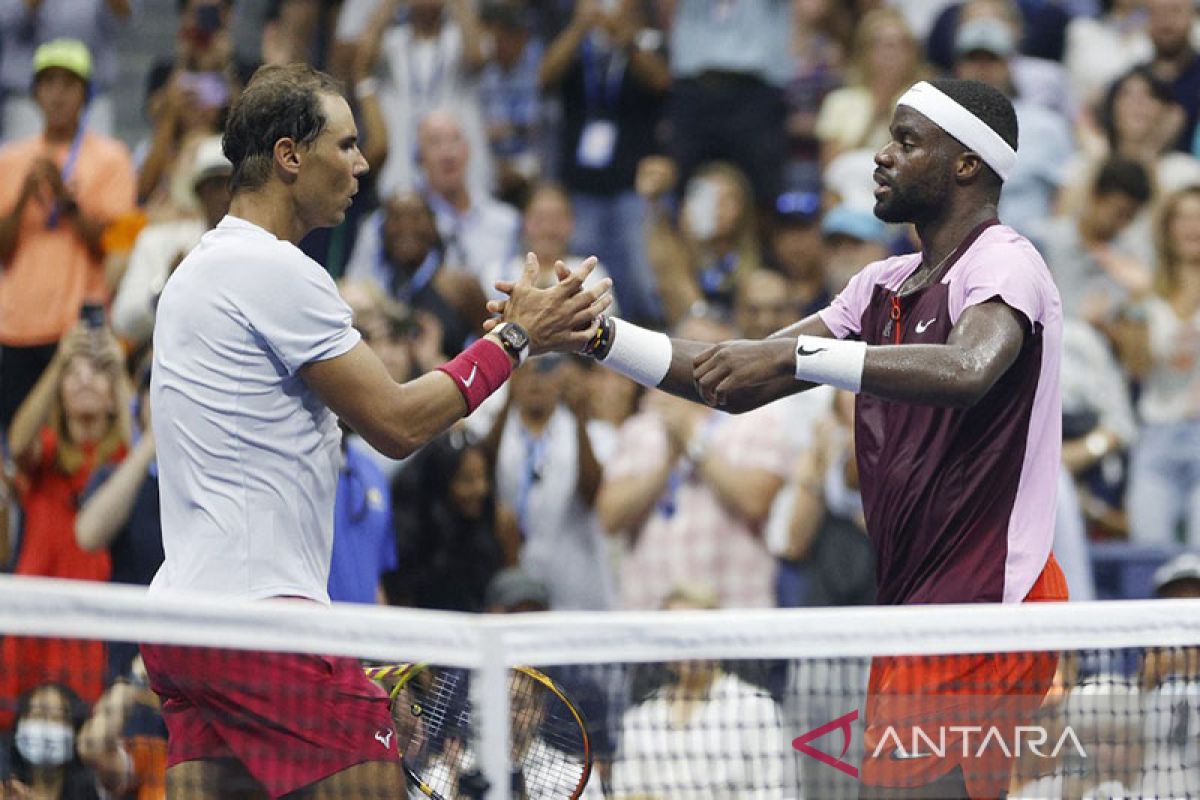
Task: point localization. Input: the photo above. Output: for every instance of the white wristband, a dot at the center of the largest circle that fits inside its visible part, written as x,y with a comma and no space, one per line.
833,362
642,356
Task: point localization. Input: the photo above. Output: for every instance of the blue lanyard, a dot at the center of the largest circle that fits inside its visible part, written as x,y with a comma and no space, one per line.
388,275
69,166
535,455
614,76
418,94
668,504
716,275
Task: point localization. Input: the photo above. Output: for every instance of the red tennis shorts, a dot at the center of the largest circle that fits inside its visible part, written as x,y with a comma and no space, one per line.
289,719
916,703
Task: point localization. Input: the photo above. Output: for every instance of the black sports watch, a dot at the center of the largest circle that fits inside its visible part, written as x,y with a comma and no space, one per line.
515,340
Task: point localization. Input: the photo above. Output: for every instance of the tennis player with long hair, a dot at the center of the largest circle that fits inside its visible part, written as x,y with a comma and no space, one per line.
254,355
953,354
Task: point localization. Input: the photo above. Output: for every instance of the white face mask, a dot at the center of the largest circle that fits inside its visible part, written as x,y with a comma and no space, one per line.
700,208
44,743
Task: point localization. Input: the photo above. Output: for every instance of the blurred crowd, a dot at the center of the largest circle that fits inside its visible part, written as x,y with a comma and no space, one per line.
716,155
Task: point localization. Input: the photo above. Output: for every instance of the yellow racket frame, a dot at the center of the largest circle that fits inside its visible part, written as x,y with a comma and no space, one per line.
403,673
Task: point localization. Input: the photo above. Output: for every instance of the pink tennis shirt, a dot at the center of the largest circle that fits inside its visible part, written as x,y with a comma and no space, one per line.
960,501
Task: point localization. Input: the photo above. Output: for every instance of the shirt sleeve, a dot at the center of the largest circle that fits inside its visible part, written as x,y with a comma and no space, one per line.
297,311
1017,279
844,314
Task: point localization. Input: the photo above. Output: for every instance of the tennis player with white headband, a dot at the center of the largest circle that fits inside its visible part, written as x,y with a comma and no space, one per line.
953,353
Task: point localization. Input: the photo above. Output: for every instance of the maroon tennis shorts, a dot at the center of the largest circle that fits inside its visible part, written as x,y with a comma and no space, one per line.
289,719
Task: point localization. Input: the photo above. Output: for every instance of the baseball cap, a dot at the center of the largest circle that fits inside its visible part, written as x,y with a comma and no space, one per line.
1181,568
798,207
987,35
856,223
69,54
210,161
512,587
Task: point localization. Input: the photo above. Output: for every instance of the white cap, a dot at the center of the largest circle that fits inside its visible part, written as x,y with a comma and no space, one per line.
210,161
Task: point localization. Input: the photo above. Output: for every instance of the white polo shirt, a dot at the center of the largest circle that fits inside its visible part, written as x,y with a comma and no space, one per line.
247,454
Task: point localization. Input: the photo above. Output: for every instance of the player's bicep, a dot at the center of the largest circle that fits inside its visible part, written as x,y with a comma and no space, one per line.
990,335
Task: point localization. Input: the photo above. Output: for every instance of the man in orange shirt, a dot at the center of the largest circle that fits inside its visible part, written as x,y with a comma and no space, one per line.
62,188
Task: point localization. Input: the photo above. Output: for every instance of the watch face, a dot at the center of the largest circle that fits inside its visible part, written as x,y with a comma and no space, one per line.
514,336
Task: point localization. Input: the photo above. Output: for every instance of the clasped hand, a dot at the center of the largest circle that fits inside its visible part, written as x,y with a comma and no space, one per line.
730,366
562,317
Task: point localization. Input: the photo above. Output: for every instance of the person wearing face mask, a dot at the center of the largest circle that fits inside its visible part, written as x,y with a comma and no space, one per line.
44,763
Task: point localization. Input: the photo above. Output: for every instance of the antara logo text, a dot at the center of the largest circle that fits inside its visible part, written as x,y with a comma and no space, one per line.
965,741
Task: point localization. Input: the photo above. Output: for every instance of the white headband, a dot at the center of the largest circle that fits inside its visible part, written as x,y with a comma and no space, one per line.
960,123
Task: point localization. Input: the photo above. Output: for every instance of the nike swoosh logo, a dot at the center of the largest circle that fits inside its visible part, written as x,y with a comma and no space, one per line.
471,378
800,351
921,326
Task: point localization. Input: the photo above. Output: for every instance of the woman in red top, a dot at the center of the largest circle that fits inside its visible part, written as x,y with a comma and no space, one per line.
76,418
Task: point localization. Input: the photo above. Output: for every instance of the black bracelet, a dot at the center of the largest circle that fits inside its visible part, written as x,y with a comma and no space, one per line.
601,343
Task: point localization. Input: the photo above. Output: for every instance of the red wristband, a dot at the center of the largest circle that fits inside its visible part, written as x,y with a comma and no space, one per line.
478,371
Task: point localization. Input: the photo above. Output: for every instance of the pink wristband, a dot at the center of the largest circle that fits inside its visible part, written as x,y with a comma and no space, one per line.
478,371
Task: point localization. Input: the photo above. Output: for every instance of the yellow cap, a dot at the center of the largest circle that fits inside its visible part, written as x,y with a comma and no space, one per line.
69,54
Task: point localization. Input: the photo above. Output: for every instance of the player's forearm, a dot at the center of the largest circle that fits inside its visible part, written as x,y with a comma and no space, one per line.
933,375
424,408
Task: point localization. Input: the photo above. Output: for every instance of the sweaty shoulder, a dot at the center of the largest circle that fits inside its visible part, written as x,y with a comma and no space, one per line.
843,316
1004,264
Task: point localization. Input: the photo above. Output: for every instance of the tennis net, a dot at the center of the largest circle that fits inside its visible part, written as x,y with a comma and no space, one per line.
1044,700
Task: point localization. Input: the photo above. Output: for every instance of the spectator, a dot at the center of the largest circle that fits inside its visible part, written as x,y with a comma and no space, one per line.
1041,81
400,251
548,223
705,733
64,186
75,420
549,473
512,108
851,237
452,538
886,61
1170,682
690,489
431,61
1100,49
1164,485
727,97
44,762
120,516
1096,269
124,742
186,98
364,542
700,263
822,31
818,528
160,246
984,48
475,229
1098,427
296,30
1139,120
26,25
1176,62
798,253
610,76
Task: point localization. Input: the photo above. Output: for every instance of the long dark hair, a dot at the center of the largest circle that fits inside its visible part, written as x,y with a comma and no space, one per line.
79,783
446,559
1107,111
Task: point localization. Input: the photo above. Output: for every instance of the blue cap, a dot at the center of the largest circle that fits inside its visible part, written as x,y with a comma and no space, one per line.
856,223
798,206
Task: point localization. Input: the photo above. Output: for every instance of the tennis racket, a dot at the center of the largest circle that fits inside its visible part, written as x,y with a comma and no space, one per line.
551,755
